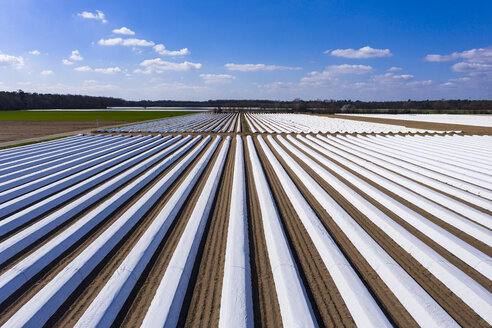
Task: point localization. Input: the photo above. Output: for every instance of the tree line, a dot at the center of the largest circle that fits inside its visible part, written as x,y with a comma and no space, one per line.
18,100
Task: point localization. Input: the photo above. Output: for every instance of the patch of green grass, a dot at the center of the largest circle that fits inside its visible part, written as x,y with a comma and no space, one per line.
130,116
31,142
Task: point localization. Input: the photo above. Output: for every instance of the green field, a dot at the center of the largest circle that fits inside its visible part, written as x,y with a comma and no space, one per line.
23,115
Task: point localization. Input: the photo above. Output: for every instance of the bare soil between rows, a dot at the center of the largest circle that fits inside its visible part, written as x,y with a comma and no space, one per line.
201,307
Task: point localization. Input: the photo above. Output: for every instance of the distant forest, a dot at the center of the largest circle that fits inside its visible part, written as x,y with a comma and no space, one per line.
19,100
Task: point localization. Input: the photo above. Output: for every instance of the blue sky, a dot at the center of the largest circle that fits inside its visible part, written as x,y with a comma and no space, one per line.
198,50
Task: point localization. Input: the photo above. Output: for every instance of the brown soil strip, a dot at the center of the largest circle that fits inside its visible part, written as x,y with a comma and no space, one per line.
478,208
265,302
383,295
486,249
135,308
463,314
46,238
244,124
46,275
203,310
467,129
320,287
68,314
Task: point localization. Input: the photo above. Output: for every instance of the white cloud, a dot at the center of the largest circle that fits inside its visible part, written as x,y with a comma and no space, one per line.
330,72
364,52
98,15
83,69
472,68
217,78
277,86
394,69
258,67
76,55
480,55
124,31
460,79
348,69
67,62
161,50
175,86
13,61
109,70
390,78
125,42
474,62
420,83
439,58
34,52
47,72
159,66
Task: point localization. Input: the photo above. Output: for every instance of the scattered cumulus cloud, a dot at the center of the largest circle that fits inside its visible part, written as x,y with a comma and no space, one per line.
67,62
259,67
76,56
420,83
217,78
479,55
161,50
47,72
132,42
159,66
276,86
390,77
124,31
98,15
474,62
83,69
364,52
472,68
109,70
394,69
34,52
330,72
11,61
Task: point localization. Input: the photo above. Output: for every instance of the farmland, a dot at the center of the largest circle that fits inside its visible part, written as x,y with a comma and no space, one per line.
237,220
20,125
81,115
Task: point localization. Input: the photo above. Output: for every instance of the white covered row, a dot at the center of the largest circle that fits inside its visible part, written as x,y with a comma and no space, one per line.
464,251
236,303
89,180
43,304
104,308
167,302
416,193
66,170
32,166
11,280
419,304
294,304
399,158
364,309
457,281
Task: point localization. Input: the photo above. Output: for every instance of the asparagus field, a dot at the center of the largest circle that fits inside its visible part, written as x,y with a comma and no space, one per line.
231,229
